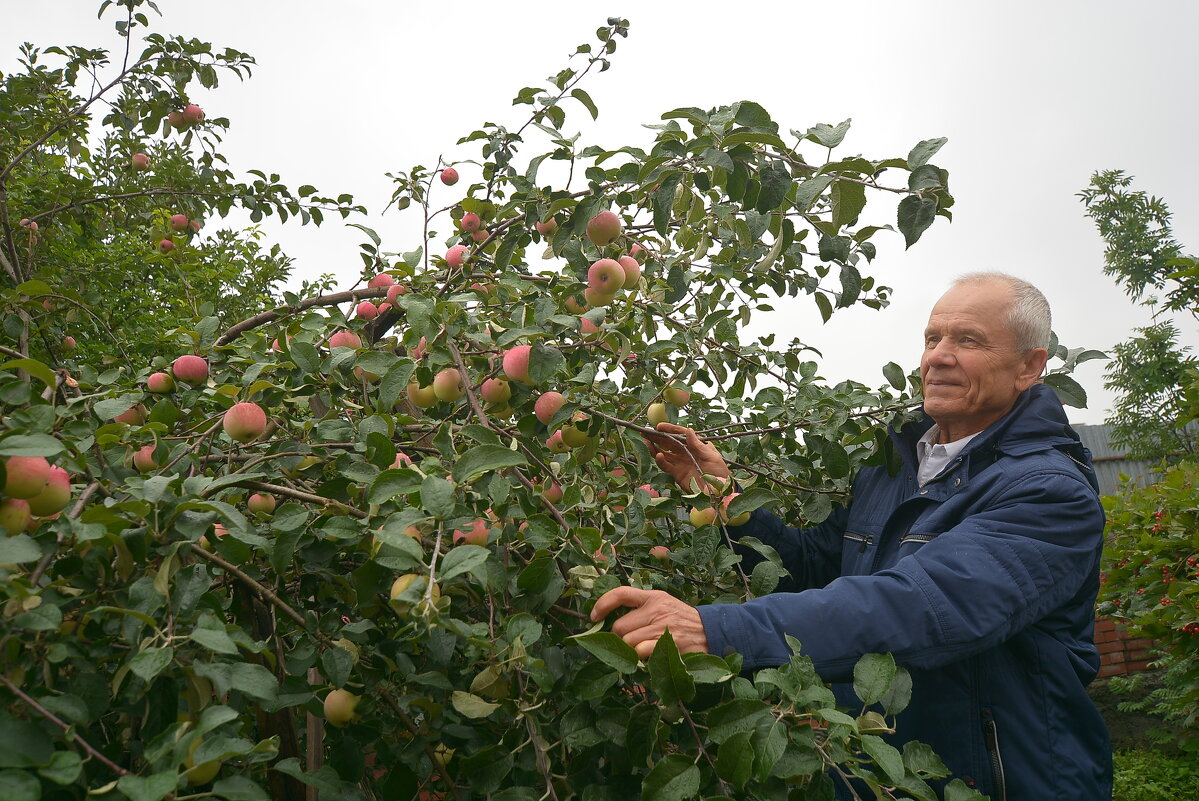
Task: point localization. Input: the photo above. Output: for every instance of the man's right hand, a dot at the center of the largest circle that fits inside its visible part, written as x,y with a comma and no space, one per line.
687,461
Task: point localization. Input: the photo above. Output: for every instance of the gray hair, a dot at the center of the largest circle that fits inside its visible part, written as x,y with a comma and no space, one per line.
1029,318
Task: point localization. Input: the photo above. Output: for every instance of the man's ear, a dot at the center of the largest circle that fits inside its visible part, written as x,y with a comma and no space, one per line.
1031,367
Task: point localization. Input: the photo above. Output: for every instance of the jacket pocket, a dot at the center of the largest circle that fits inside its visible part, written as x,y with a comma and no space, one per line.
861,541
991,740
917,538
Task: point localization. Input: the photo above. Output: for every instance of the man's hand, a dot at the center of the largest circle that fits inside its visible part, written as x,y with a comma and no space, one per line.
653,613
687,461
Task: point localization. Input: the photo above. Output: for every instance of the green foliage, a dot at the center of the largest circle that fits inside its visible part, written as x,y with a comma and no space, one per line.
1147,775
157,635
1153,373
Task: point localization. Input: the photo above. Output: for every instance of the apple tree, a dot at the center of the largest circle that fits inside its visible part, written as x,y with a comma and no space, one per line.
344,544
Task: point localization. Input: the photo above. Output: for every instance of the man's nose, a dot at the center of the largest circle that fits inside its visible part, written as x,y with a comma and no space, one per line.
942,354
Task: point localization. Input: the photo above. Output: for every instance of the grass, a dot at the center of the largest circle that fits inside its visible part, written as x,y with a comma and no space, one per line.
1149,775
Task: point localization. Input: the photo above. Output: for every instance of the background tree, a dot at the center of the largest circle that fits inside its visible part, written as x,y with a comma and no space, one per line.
346,545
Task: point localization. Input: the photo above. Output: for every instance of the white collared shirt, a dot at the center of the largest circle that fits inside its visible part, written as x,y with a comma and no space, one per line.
933,457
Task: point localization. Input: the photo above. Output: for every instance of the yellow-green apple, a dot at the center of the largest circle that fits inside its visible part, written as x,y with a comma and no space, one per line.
447,385
178,222
632,271
548,228
656,413
205,772
496,390
555,443
470,222
55,496
26,476
404,582
606,276
739,520
573,433
575,304
597,299
245,421
604,228
422,397
340,706
703,517
547,405
676,395
366,310
160,383
449,176
345,339
456,256
140,161
15,515
190,369
261,504
516,363
365,375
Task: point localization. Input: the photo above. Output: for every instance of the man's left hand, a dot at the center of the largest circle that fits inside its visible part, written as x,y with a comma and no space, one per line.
653,612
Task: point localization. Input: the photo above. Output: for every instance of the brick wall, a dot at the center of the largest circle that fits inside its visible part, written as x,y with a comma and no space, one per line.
1119,652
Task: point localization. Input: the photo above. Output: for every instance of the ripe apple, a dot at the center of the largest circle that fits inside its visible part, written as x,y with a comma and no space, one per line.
176,120
160,383
637,252
144,459
649,488
402,460
381,280
456,256
345,339
165,246
739,520
555,443
447,385
703,517
588,329
245,421
547,405
475,535
193,114
26,476
68,344
55,496
548,228
339,707
14,515
575,304
28,223
261,504
178,222
676,396
656,413
420,350
606,276
480,235
660,552
471,222
516,363
404,582
135,415
597,299
496,390
552,493
140,161
365,375
394,291
632,271
421,397
190,369
604,228
195,225
367,310
449,176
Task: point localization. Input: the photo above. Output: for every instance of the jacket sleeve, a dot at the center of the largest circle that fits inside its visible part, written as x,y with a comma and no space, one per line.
1030,551
812,556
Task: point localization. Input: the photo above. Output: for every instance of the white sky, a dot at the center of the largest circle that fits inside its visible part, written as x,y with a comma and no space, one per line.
1034,96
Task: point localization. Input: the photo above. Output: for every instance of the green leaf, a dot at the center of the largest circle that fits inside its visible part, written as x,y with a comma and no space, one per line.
394,383
829,135
920,759
609,649
34,288
462,559
895,375
872,677
35,368
923,151
848,199
19,549
150,788
64,768
776,182
667,673
674,778
545,363
916,214
751,137
753,498
17,785
807,192
735,759
884,755
737,715
23,745
714,157
824,304
707,668
211,633
150,662
899,694
1068,391
664,203
957,790
472,706
437,497
239,788
31,445
585,99
484,459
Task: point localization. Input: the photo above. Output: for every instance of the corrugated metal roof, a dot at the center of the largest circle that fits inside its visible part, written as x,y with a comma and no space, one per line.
1110,463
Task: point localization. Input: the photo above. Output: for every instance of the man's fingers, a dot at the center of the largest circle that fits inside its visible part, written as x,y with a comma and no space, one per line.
613,599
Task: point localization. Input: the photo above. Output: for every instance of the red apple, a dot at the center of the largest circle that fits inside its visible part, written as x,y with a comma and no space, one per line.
190,369
345,339
140,161
402,460
739,520
447,385
26,476
144,459
548,228
456,256
470,222
165,246
381,280
193,114
588,329
68,343
480,235
367,310
575,305
475,535
606,276
179,222
604,228
177,120
516,363
449,176
135,415
555,443
160,383
653,493
660,552
245,422
394,291
547,405
632,271
195,226
261,504
552,493
495,390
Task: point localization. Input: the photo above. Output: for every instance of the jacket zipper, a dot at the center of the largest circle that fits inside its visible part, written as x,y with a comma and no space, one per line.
862,540
991,738
918,538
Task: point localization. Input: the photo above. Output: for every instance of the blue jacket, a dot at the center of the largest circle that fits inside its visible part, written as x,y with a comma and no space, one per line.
982,584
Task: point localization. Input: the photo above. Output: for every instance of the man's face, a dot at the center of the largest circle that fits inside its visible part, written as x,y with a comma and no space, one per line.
971,370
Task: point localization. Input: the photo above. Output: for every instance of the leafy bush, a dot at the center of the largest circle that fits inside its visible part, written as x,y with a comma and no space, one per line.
1149,775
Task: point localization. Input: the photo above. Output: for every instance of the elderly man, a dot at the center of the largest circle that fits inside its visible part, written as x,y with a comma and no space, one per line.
976,565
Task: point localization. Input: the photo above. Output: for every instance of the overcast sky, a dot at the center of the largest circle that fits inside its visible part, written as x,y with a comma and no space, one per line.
1034,96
